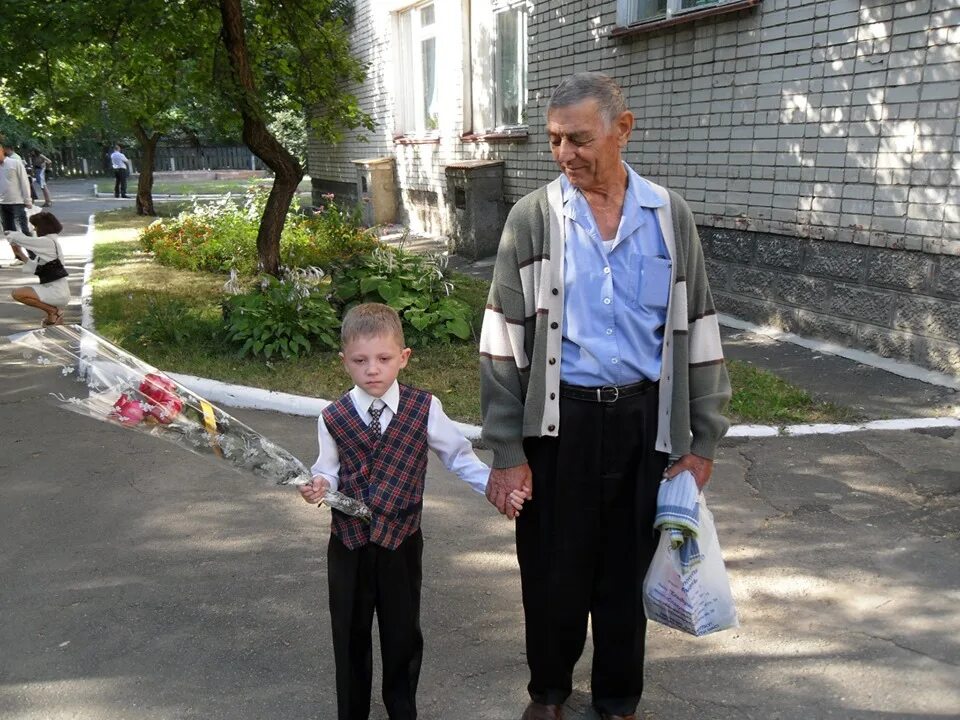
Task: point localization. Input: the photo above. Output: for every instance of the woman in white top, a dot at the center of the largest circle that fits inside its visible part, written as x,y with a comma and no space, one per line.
43,257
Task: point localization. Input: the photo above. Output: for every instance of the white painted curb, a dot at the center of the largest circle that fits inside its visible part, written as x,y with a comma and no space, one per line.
241,396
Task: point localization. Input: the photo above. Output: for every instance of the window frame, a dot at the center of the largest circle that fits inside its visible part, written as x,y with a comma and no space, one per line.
410,101
675,14
496,130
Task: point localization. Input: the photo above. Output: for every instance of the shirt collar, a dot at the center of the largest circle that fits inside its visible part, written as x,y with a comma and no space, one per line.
391,398
637,187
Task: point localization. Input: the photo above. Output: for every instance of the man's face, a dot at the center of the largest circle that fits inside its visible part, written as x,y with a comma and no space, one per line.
587,151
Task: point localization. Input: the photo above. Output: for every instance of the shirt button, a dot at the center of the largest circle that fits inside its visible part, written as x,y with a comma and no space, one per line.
553,361
614,361
609,331
554,325
606,301
551,428
606,271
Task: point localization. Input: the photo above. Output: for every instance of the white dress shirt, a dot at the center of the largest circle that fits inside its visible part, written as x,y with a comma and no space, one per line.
14,183
454,450
118,160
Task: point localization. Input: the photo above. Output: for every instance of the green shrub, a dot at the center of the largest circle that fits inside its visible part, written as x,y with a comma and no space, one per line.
214,237
221,236
413,285
283,317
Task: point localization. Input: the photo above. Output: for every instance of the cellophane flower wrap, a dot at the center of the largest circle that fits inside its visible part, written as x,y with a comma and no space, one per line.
124,390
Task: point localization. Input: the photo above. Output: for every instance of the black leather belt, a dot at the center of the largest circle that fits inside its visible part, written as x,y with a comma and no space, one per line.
606,393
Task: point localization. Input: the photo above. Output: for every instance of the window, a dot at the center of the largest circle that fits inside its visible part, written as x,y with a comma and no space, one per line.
417,103
498,44
630,12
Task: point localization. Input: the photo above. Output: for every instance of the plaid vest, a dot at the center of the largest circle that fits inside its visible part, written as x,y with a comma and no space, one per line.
387,475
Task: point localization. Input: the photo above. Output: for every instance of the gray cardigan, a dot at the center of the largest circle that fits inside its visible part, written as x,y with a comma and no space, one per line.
521,336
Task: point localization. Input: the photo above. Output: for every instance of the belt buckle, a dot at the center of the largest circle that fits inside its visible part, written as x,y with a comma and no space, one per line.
603,389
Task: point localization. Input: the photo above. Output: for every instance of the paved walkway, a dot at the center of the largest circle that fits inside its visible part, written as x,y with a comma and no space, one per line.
138,582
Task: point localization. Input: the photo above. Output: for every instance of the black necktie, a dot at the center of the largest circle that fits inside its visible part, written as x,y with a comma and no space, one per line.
375,413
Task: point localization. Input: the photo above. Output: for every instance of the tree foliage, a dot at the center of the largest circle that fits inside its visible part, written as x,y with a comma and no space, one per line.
152,67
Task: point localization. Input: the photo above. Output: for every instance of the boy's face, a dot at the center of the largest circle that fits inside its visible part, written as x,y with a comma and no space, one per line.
374,362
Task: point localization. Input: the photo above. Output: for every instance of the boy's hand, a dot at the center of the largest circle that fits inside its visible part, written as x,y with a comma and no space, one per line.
315,490
516,499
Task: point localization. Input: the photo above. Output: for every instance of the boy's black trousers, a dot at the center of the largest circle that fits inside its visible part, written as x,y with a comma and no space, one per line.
361,581
584,544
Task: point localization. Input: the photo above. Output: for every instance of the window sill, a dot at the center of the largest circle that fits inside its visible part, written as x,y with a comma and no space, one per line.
496,137
689,16
416,140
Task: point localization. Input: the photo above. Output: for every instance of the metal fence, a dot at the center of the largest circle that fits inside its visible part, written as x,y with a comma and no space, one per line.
76,162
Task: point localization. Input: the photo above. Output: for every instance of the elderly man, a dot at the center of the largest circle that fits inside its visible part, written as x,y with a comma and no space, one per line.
14,191
600,364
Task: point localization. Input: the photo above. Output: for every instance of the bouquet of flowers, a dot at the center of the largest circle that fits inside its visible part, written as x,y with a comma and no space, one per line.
124,390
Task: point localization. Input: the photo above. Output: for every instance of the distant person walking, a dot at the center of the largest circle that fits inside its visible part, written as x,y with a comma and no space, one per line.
119,163
14,191
40,162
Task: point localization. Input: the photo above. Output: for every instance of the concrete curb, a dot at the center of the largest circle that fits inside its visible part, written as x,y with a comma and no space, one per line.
241,396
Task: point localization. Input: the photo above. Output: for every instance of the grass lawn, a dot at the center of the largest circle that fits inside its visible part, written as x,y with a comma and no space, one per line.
129,288
216,187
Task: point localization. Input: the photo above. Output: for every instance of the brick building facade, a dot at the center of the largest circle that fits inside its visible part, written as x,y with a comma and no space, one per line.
816,141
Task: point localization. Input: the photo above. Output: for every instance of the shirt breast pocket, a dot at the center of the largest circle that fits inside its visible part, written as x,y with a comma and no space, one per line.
653,290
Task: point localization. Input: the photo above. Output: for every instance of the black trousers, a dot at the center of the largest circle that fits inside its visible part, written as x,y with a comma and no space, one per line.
584,544
120,184
14,216
362,581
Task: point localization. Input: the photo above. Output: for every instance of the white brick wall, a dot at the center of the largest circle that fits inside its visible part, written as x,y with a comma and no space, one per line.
828,119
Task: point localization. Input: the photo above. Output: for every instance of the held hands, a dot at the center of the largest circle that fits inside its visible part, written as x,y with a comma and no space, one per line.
701,468
315,490
508,488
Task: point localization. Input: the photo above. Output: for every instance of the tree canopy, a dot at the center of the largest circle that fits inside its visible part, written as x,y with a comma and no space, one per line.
152,67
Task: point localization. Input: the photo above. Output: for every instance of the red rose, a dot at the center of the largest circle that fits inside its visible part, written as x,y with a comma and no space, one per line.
127,410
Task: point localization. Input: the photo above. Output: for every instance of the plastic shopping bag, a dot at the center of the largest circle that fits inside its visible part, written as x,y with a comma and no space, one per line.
697,601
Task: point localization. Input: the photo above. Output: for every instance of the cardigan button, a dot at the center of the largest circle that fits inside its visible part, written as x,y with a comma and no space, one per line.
556,292
553,396
551,428
553,361
554,325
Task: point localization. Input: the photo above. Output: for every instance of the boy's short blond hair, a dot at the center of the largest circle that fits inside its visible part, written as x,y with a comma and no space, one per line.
371,320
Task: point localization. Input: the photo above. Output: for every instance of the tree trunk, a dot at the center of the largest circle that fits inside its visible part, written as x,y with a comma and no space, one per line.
286,168
148,146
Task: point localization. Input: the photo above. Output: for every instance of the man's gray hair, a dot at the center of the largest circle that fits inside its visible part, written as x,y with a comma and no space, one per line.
590,86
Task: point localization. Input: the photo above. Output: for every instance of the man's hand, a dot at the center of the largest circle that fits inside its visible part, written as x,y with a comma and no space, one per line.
315,490
701,468
503,481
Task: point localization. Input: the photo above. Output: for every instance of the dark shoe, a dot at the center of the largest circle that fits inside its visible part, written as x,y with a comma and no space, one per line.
604,716
537,711
125,196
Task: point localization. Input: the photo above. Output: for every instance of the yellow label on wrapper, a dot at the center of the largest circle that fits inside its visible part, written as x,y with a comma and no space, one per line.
210,422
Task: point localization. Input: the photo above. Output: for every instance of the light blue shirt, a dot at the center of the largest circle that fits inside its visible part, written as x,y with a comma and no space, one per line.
615,293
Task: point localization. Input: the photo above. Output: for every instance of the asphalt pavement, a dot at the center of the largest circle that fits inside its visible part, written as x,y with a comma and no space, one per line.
139,582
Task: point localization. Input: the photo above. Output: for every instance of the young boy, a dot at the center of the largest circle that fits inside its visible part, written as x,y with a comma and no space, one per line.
373,446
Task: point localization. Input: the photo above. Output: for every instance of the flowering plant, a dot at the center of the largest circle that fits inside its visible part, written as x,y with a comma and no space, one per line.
124,390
